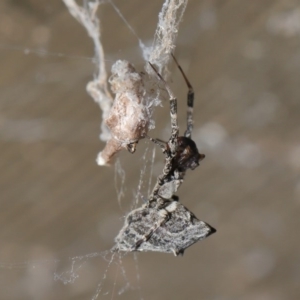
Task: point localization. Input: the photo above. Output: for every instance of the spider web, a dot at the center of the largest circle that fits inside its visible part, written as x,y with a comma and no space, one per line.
70,270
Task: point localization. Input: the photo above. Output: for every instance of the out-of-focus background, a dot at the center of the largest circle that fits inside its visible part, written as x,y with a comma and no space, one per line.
243,59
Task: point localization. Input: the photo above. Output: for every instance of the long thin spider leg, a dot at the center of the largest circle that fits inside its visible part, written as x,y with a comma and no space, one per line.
161,178
173,113
190,102
166,170
158,142
172,143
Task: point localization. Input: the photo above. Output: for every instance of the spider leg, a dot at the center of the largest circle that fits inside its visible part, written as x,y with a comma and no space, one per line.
158,142
173,113
190,102
162,186
172,143
166,170
165,217
161,178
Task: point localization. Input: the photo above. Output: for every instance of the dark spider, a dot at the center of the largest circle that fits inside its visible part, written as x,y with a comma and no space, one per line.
180,151
186,156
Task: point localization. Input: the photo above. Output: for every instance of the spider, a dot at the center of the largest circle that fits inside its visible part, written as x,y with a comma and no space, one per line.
180,151
166,227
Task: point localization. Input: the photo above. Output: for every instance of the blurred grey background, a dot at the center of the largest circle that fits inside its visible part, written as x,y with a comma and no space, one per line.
243,59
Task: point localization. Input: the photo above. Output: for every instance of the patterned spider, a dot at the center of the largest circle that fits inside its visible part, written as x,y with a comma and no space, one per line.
180,151
166,227
163,224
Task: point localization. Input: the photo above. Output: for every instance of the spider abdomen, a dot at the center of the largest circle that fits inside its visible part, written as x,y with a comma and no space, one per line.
187,155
